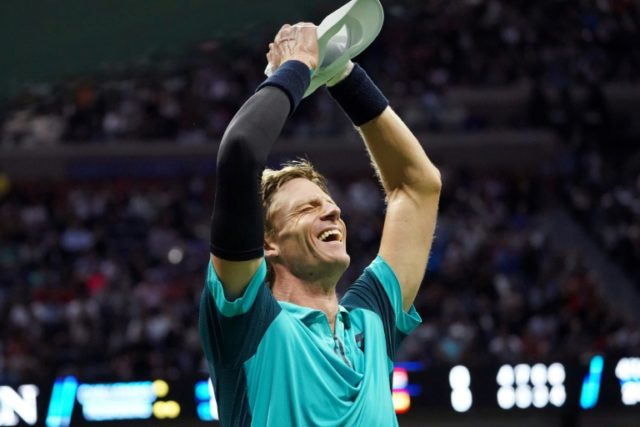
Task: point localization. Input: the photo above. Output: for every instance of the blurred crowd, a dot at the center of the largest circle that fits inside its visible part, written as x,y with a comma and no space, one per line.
103,280
494,42
498,291
424,49
606,201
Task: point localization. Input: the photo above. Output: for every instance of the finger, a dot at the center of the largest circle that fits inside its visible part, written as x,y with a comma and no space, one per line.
305,24
283,33
272,57
293,33
305,29
280,37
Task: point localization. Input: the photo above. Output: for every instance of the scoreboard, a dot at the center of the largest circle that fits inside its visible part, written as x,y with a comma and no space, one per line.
604,382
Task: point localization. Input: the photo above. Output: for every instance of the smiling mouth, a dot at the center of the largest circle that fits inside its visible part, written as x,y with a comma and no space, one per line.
330,236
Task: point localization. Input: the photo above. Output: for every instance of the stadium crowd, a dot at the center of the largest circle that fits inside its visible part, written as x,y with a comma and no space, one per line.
499,291
471,43
606,202
103,279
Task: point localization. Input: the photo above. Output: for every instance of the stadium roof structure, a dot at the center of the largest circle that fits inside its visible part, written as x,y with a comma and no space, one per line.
48,41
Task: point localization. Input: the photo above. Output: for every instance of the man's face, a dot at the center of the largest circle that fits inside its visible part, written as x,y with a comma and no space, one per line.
309,237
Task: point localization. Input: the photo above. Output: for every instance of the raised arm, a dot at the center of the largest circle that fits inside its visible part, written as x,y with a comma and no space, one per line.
237,229
411,182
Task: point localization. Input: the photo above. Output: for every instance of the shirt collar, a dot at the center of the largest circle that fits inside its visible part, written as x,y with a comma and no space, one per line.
309,315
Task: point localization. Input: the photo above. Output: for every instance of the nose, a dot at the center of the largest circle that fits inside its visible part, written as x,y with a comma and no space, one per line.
330,212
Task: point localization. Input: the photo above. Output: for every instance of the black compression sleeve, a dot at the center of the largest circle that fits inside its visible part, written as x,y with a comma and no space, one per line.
237,224
237,229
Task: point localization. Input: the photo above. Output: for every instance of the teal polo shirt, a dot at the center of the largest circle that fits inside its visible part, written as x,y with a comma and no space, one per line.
274,363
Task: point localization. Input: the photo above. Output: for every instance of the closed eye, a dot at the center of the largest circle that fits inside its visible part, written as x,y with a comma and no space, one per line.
306,208
312,205
309,206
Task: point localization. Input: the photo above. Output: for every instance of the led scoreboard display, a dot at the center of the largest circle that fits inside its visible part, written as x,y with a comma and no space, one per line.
608,383
628,373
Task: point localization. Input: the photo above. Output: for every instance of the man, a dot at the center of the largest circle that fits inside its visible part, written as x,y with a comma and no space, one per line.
282,350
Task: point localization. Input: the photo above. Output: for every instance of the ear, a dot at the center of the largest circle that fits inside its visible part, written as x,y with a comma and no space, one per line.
271,249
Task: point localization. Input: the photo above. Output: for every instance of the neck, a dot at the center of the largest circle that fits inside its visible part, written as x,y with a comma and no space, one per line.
318,295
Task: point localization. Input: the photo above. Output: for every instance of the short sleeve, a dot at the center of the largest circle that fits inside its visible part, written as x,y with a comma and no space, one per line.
242,304
406,322
230,331
378,290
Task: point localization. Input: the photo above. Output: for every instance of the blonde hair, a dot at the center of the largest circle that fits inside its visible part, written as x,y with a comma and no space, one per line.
273,180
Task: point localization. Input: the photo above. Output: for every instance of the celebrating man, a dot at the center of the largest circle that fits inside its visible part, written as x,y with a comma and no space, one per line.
282,350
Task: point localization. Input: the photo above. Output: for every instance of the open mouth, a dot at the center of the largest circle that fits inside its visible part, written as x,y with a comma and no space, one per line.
330,236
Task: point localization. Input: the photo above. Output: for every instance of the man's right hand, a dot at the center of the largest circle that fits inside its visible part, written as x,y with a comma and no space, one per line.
297,42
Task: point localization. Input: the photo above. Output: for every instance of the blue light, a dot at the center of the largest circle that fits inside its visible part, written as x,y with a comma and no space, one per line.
413,389
591,383
63,398
204,411
117,401
597,363
53,415
202,391
410,366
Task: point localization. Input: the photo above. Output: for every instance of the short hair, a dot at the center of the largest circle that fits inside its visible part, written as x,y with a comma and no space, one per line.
273,180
